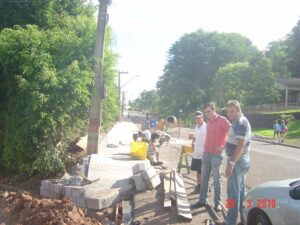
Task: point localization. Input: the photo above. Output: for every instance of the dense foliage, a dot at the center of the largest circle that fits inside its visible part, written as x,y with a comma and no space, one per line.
46,77
285,54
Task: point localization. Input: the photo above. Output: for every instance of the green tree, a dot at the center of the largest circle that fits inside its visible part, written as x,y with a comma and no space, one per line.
293,58
148,101
278,52
250,83
43,13
192,64
110,111
260,85
229,83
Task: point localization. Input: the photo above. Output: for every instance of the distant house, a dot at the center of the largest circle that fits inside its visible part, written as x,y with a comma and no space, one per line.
291,86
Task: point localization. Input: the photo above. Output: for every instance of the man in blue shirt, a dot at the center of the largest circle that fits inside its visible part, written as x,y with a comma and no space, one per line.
238,164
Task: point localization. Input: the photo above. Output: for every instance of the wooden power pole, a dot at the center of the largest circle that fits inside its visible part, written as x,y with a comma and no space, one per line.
98,90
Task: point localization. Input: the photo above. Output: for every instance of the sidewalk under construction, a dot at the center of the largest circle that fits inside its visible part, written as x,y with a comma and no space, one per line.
111,171
113,166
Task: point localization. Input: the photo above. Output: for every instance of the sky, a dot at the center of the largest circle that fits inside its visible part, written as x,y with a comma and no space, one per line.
144,30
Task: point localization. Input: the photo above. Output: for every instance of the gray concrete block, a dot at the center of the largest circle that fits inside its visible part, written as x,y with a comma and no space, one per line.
139,182
58,188
68,190
155,181
77,191
139,167
148,174
101,200
151,178
79,201
45,184
52,187
45,192
56,195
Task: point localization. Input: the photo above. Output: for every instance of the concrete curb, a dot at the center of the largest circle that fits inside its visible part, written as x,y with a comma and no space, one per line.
271,142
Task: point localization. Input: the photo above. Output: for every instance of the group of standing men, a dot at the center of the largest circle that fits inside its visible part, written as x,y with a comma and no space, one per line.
211,141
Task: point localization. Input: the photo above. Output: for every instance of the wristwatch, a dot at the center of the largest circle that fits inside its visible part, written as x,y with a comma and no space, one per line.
231,163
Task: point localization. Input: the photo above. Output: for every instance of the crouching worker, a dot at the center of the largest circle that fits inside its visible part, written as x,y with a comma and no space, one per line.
152,152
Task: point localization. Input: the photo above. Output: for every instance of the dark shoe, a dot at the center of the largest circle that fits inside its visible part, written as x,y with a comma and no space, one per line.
220,223
157,163
218,208
198,205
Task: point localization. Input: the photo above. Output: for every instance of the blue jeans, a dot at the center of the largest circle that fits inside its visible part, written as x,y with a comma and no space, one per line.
211,164
236,189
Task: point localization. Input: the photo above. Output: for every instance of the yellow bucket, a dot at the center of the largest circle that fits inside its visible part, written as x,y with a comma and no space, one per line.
186,149
139,150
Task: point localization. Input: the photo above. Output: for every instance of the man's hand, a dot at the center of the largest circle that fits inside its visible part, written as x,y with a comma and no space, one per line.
220,150
228,171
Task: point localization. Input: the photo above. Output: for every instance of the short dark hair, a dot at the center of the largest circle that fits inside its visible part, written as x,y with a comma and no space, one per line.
198,113
212,105
154,136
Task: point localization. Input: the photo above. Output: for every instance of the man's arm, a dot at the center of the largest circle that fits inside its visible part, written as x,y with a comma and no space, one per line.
238,151
193,143
225,128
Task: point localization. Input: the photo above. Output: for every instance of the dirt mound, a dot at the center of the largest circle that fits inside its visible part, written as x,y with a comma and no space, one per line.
23,209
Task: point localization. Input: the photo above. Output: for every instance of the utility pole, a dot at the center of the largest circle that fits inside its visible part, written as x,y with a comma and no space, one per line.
123,101
98,90
180,112
119,84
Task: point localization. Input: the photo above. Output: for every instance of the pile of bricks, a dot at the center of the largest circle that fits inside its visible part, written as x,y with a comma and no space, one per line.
145,176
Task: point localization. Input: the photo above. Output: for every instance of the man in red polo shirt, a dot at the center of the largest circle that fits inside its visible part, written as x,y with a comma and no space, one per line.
216,135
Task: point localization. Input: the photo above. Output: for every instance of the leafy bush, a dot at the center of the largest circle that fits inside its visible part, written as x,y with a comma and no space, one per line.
288,118
46,78
42,105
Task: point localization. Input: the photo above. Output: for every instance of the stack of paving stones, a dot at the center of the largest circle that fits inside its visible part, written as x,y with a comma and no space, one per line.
86,197
53,188
145,176
58,188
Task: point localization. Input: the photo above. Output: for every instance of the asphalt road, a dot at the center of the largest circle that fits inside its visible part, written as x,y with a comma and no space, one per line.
271,162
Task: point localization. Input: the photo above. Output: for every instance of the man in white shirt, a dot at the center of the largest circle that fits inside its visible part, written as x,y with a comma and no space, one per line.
198,146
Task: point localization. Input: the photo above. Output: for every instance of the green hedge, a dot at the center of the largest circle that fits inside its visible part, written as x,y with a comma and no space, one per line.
46,78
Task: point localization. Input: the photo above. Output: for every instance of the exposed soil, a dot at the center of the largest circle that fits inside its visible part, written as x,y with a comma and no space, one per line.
22,209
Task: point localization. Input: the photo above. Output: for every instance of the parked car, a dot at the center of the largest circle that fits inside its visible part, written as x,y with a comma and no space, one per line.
273,203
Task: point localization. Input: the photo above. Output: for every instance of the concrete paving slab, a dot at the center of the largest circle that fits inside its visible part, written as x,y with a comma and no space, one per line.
139,167
113,166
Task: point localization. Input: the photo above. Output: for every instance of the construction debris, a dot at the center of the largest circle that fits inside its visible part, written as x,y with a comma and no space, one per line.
21,208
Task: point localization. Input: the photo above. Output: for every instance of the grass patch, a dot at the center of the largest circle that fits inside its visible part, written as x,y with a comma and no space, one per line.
294,130
293,135
265,132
